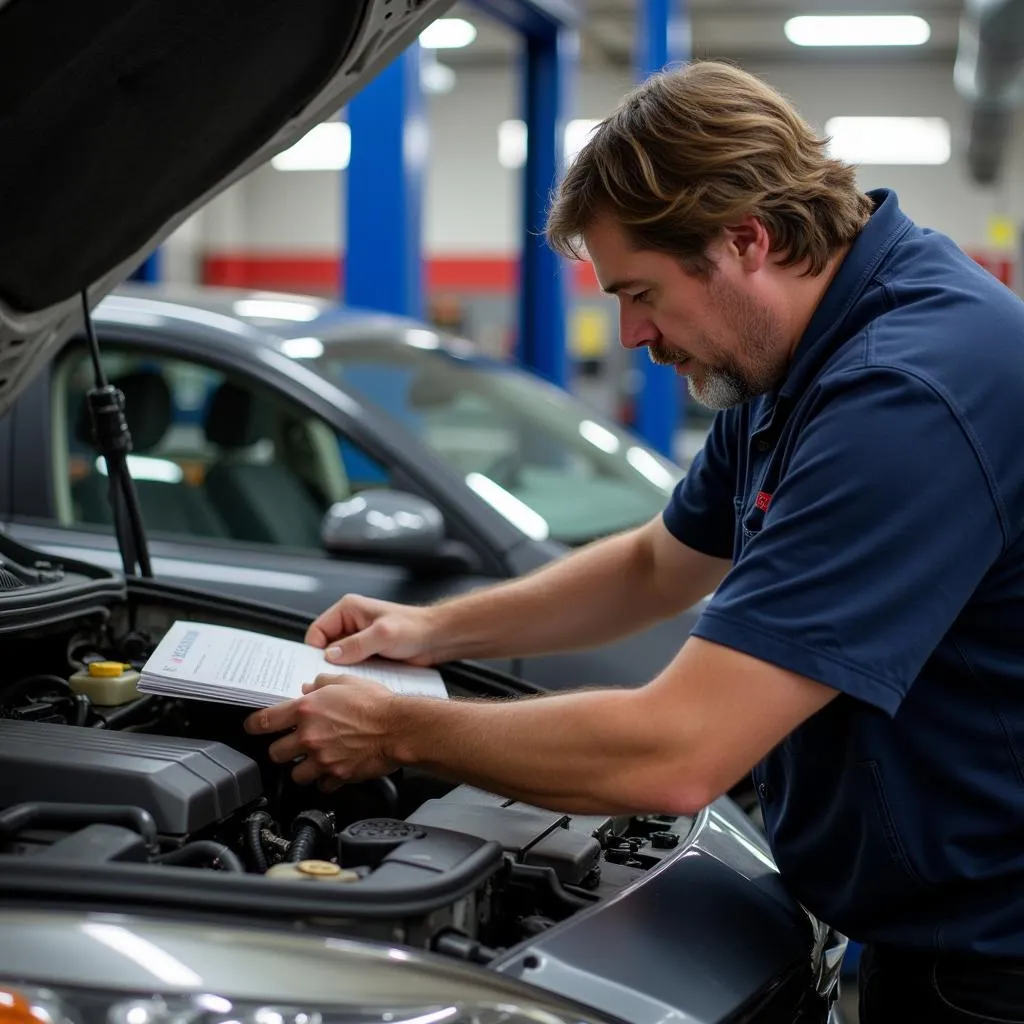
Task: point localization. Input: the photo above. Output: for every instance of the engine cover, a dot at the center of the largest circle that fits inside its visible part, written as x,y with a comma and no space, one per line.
186,785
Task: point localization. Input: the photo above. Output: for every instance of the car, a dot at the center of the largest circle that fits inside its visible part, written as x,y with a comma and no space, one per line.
273,435
155,866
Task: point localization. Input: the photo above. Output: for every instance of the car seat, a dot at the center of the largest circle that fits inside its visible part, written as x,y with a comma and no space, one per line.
262,502
167,506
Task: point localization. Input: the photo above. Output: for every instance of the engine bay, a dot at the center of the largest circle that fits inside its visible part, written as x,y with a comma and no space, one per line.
173,794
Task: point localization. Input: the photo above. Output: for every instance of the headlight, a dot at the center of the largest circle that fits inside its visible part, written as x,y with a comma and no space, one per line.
79,969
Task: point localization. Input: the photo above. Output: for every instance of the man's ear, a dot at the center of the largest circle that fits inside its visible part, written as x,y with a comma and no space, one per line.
747,241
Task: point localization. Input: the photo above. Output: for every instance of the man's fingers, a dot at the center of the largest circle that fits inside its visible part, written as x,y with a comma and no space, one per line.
306,772
322,680
275,719
357,647
285,749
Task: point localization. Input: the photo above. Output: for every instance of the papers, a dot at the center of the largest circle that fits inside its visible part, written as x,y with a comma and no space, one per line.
235,666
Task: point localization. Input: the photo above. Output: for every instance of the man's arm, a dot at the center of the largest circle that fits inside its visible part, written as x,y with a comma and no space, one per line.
609,589
671,746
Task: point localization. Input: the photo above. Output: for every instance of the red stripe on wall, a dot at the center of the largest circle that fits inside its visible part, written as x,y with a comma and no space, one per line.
298,272
322,273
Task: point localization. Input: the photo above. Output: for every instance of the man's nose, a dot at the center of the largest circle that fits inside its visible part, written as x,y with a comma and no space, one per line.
635,328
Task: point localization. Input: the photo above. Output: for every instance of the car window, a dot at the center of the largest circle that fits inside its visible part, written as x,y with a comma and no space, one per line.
535,453
214,455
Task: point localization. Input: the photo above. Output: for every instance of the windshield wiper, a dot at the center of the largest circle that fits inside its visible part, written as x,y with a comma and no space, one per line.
113,441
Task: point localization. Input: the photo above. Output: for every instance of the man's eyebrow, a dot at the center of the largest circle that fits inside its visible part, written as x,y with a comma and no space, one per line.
617,286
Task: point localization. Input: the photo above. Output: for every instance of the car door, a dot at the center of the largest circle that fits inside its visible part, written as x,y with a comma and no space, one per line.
232,476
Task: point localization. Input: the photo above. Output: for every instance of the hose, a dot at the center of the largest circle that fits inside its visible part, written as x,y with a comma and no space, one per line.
302,845
204,851
254,826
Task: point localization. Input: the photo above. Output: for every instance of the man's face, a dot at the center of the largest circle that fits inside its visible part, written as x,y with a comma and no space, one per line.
718,332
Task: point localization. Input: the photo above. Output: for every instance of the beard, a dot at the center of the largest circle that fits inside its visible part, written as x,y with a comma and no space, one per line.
725,378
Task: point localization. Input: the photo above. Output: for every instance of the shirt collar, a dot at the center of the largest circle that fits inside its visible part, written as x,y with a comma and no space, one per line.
825,331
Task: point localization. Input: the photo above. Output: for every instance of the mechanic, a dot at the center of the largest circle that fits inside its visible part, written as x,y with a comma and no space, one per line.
857,512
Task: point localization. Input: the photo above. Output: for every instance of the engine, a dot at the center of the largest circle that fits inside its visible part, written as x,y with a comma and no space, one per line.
161,782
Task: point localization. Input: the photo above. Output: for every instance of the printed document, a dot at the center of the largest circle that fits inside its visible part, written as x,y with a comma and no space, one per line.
235,666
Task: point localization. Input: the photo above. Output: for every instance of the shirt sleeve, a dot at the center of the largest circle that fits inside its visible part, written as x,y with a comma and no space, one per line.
701,512
875,538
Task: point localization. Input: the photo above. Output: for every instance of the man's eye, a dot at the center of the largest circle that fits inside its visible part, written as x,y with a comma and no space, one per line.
642,296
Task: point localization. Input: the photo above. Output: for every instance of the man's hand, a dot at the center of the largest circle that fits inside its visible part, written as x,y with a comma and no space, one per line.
338,728
356,628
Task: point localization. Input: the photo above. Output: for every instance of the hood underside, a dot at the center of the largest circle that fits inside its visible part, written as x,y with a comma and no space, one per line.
121,118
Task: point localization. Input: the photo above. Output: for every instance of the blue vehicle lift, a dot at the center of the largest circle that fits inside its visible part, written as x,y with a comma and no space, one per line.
663,35
383,259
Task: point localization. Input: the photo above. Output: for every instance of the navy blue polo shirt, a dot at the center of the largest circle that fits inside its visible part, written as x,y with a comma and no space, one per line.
873,507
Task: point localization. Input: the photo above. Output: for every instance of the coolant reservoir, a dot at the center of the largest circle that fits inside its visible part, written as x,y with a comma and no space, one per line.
312,871
107,683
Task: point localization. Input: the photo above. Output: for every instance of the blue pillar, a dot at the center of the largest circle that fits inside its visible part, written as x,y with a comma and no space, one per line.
383,252
548,58
149,270
660,411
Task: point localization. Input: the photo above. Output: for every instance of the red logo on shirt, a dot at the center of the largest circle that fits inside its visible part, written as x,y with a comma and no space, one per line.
763,500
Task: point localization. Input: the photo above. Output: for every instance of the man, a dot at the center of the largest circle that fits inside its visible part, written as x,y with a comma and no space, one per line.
858,510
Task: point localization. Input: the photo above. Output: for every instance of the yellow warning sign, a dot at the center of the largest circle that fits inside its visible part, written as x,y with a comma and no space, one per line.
1002,232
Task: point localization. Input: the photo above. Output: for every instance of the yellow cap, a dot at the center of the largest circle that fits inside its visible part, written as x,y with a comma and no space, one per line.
106,669
322,868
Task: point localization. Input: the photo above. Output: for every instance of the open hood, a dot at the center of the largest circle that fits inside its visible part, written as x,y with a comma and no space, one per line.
121,118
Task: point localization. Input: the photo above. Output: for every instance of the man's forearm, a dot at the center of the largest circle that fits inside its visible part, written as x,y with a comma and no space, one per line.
596,752
591,596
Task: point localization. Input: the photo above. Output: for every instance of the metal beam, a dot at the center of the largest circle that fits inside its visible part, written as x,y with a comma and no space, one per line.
540,338
383,256
663,35
533,17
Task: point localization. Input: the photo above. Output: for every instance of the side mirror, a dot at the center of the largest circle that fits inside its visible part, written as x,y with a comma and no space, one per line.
392,526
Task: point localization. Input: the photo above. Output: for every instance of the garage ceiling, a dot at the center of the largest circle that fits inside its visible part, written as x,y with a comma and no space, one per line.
750,31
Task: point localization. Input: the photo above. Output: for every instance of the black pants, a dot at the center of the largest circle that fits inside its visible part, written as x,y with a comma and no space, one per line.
898,987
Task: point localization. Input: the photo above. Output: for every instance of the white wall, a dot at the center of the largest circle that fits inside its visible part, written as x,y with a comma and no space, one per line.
471,202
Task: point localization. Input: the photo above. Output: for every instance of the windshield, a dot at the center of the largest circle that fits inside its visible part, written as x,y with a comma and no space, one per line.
536,454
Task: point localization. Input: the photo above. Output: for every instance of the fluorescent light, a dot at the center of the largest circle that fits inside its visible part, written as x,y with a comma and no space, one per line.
327,147
889,140
508,505
448,34
858,30
512,144
512,141
302,348
145,467
276,309
599,437
577,133
437,79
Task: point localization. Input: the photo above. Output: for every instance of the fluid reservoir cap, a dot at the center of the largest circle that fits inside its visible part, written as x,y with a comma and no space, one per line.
319,868
107,669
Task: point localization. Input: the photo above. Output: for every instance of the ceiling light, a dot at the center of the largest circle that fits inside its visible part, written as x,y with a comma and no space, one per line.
858,30
327,147
889,140
448,34
436,78
512,141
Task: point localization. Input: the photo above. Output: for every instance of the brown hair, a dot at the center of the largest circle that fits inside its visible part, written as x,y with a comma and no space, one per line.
697,148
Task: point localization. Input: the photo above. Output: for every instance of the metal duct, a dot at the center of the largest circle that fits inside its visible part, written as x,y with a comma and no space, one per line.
989,73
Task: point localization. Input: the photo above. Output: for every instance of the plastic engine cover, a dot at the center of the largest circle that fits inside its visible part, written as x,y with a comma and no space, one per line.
186,785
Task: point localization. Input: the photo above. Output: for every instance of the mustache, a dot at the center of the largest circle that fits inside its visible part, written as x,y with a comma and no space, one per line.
661,356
